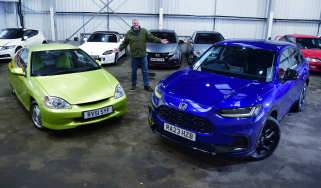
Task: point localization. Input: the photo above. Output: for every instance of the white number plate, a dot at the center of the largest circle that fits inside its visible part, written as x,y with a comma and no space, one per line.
180,132
157,59
98,112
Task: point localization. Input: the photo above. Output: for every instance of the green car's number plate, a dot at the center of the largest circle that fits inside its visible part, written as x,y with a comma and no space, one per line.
97,112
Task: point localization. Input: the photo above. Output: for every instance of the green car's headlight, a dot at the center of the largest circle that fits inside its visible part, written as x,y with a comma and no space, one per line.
158,93
56,103
119,92
240,112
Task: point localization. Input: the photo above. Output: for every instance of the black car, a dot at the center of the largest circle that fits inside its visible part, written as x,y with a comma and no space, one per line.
164,55
201,41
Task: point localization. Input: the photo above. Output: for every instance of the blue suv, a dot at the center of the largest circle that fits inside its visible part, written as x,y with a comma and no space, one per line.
231,100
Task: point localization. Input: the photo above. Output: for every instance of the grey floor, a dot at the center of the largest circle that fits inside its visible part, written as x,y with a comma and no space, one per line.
125,153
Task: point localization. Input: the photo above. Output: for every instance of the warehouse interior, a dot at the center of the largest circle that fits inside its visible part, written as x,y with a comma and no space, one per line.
124,151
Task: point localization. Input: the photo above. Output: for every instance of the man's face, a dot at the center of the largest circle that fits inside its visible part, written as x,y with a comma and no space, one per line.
136,24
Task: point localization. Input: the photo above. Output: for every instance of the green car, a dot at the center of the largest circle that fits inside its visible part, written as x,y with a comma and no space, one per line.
63,87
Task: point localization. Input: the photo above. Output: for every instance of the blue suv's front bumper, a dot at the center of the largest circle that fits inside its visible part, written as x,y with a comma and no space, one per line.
231,136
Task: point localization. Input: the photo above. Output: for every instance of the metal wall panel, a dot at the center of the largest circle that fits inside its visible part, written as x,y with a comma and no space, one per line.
40,22
127,6
281,28
190,7
297,9
240,28
243,8
3,20
186,26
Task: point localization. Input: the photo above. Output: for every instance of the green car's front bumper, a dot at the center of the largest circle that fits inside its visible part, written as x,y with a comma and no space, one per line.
71,118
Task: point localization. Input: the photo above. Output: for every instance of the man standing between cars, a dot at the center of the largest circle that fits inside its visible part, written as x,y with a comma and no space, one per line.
137,37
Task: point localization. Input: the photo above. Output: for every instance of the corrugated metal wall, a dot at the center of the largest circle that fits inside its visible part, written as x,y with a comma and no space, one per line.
233,18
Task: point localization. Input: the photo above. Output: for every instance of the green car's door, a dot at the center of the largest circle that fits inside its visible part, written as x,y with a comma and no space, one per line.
19,82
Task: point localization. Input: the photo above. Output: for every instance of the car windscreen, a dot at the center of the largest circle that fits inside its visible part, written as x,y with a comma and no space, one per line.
207,38
11,33
237,61
101,37
309,43
55,62
171,37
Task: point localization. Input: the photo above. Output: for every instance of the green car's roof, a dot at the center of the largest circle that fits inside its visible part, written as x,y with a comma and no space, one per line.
56,46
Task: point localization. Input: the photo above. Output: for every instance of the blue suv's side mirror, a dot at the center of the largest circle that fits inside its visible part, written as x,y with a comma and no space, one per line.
291,74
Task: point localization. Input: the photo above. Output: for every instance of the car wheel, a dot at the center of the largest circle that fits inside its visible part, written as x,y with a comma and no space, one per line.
116,58
44,42
298,106
35,115
268,139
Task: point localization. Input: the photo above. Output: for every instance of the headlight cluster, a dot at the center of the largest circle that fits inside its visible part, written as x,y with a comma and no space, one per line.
176,52
197,53
119,92
108,52
240,112
56,103
313,59
7,47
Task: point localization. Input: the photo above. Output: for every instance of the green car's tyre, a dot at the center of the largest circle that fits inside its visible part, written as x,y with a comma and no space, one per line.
35,115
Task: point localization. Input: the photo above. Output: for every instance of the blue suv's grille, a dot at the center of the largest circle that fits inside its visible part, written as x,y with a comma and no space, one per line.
186,120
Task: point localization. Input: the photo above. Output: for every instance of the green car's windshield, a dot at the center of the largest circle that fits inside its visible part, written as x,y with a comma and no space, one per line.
237,61
54,62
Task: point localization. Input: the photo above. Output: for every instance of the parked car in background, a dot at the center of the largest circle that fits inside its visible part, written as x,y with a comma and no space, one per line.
63,87
13,39
200,42
232,99
310,46
100,45
164,55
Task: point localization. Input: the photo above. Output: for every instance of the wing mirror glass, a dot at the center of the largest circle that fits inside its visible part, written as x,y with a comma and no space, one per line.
291,74
18,71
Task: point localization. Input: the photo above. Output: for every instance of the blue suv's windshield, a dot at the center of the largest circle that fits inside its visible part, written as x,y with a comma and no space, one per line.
238,61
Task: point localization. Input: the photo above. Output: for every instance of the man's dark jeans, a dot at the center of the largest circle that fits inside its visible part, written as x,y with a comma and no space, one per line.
144,65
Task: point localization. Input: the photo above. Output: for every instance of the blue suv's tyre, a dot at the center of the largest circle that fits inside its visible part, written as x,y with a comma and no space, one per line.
299,104
268,139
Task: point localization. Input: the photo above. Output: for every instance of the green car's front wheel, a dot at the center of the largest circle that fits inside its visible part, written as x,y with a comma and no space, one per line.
35,115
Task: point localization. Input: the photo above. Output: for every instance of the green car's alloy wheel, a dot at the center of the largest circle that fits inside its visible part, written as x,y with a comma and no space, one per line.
35,115
268,139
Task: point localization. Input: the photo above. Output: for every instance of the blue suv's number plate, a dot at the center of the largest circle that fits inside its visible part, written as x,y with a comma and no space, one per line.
180,132
97,112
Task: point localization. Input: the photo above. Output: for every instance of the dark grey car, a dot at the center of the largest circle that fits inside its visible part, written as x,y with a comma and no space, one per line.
200,42
164,55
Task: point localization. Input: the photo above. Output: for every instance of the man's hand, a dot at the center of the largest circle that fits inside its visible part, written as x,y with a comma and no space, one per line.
164,41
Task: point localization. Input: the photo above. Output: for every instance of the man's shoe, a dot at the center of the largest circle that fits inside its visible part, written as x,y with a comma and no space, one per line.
148,88
133,88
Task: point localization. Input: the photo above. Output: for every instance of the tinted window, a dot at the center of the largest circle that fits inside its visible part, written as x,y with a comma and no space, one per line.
207,38
54,62
309,43
171,37
288,59
11,33
100,37
30,33
244,62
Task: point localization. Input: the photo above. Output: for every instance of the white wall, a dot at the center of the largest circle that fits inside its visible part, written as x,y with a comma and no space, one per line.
37,16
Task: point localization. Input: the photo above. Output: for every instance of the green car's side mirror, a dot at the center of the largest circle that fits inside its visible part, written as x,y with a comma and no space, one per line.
99,62
18,71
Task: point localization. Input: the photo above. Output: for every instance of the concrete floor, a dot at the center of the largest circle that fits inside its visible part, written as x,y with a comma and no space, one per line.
125,153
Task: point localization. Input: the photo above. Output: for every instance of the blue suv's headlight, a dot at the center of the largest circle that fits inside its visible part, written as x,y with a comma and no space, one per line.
240,112
158,93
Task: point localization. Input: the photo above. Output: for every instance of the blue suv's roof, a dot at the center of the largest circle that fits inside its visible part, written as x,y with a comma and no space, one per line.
260,44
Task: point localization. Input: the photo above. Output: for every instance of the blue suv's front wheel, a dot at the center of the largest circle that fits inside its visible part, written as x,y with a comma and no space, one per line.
268,139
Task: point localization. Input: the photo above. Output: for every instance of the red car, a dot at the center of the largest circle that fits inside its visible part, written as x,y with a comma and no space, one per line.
310,46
